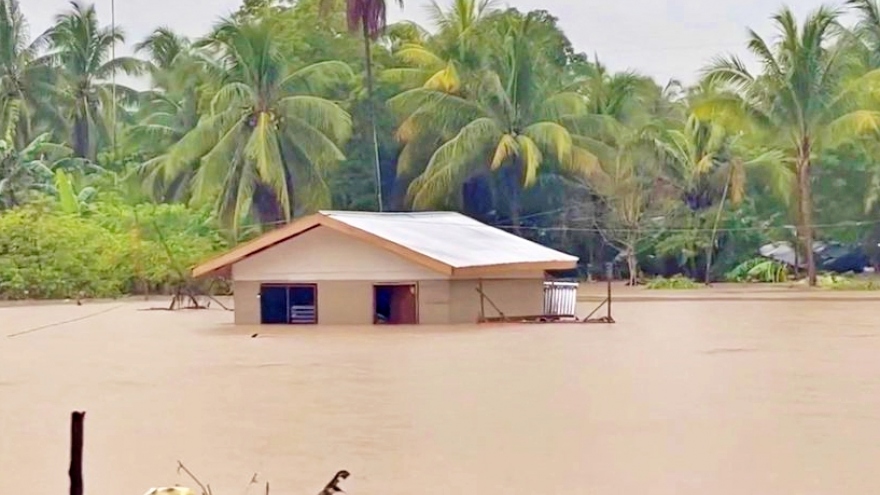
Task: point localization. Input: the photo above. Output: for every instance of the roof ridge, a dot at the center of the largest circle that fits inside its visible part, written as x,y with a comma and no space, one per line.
391,213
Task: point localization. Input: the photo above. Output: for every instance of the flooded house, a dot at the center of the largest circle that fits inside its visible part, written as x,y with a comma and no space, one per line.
356,268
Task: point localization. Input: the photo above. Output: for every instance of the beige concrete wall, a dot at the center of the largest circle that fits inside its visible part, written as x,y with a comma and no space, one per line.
325,254
433,302
339,302
345,303
247,302
440,302
519,297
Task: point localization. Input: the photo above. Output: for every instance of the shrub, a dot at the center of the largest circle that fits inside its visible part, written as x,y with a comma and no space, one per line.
674,282
46,254
833,281
759,270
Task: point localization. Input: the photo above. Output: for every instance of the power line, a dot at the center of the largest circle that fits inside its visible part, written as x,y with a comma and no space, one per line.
647,230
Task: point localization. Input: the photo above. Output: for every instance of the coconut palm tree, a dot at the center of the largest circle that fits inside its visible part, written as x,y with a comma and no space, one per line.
710,167
171,108
705,162
619,95
436,61
369,17
458,28
267,139
508,124
25,76
800,100
867,30
85,97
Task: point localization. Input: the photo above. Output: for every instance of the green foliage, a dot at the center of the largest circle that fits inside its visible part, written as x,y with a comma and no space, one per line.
283,109
677,282
48,253
759,270
833,281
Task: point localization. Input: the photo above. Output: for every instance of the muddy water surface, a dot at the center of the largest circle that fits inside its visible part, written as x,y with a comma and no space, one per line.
778,397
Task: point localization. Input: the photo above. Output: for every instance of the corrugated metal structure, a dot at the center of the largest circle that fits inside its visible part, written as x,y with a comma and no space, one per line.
560,299
361,268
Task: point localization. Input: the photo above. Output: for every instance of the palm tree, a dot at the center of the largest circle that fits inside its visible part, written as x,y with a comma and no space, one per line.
25,76
800,100
437,61
369,17
82,50
710,167
459,26
867,30
508,124
267,139
621,95
171,108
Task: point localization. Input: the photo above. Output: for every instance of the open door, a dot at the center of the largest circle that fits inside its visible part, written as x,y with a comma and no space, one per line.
395,304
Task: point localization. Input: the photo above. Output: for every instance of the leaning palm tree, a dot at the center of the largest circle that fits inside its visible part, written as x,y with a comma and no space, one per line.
508,125
84,97
263,148
25,76
801,100
369,17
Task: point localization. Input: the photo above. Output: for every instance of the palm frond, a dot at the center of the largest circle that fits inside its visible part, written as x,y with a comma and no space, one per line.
324,115
551,137
531,159
319,78
452,162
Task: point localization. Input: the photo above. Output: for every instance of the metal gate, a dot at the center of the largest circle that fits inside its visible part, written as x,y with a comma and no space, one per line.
560,298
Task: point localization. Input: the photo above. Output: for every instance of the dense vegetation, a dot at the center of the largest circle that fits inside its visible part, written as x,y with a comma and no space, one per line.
288,107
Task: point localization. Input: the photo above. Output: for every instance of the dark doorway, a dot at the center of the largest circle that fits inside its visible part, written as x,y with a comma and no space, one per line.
395,304
288,304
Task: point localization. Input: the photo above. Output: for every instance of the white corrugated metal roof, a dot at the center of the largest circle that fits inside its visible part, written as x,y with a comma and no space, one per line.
452,238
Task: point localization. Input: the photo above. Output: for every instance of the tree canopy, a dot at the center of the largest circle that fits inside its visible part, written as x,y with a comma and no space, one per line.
289,106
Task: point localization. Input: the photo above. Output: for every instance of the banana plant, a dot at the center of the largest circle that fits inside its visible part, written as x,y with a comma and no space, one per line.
71,199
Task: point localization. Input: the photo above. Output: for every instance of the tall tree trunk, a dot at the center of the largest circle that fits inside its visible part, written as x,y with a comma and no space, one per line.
371,109
806,208
511,183
632,264
81,136
711,250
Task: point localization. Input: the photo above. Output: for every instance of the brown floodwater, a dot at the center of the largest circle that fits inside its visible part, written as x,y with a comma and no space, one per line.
681,397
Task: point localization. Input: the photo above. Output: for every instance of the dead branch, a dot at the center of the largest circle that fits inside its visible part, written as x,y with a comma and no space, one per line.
252,482
181,467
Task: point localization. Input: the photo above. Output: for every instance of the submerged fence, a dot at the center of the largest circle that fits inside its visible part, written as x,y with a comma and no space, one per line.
560,298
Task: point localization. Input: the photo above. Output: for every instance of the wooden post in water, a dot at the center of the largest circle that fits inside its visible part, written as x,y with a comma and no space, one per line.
609,273
482,302
76,448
